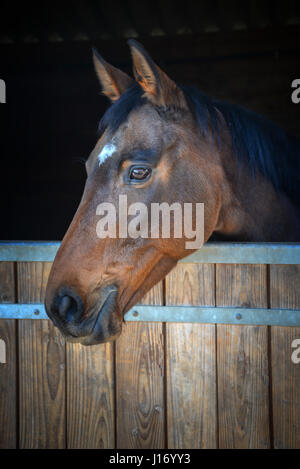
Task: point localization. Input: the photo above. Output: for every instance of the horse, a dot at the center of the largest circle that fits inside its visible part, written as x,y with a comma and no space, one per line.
160,141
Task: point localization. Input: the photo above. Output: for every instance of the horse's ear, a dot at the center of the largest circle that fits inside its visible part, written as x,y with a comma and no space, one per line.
114,82
159,88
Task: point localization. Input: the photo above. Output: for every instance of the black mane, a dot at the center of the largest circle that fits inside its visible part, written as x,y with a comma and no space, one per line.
257,142
118,112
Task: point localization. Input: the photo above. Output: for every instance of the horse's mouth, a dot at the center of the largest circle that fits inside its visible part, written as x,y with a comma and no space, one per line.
107,326
102,325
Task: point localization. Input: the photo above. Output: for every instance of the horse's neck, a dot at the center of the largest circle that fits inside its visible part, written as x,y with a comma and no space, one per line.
252,210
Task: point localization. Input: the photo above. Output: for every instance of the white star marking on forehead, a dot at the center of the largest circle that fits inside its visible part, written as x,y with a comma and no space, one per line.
107,151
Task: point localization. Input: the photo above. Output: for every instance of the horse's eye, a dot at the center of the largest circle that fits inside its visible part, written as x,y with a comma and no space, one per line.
139,173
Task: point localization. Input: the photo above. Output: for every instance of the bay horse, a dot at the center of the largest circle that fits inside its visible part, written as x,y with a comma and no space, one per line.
163,142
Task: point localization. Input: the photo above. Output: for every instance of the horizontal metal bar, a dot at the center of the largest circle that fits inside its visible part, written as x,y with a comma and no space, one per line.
22,311
214,252
28,251
215,315
246,253
192,314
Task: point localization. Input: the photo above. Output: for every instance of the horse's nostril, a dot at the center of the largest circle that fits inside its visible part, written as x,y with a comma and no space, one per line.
69,306
64,305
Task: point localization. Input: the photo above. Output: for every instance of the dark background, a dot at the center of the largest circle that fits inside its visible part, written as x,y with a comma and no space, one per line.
246,52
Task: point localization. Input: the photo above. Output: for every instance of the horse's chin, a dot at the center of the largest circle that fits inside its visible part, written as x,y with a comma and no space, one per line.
98,338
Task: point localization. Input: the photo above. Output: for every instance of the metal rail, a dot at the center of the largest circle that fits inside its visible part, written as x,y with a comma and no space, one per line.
191,314
231,253
214,252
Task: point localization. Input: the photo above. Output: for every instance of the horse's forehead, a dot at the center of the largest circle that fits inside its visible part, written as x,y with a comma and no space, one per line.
106,152
142,124
142,129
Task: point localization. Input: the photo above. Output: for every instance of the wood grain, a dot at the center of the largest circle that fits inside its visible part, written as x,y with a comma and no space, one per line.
162,390
243,404
140,382
285,286
90,396
285,293
41,367
191,362
8,370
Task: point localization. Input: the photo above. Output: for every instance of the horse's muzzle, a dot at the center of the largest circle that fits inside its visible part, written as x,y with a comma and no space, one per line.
98,325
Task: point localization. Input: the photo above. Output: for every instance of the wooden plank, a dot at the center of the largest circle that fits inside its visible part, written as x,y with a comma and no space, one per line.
8,369
191,362
285,293
140,382
243,404
90,396
41,367
285,286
